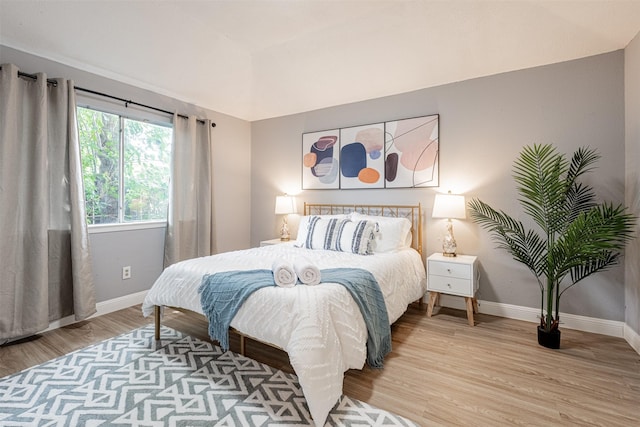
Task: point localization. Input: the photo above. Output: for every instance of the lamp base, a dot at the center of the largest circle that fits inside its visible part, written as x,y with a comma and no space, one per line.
449,245
284,230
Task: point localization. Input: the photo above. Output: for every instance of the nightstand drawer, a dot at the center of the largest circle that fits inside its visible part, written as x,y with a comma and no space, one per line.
450,285
450,269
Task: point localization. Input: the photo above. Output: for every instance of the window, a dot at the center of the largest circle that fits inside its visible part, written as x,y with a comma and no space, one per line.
125,167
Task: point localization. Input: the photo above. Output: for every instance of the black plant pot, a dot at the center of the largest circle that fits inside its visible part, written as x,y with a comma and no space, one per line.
549,339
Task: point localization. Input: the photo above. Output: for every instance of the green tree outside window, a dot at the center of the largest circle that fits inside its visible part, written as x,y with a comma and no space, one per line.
125,166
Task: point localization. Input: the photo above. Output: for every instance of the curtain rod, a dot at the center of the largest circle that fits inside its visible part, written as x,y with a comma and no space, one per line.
126,102
35,77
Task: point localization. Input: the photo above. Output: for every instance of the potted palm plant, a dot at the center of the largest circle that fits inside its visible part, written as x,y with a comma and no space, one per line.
577,236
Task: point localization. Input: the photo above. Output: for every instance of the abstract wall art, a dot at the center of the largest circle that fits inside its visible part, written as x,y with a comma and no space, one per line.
412,152
321,160
396,154
362,156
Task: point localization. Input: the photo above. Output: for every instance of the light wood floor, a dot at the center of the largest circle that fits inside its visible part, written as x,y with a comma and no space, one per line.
441,371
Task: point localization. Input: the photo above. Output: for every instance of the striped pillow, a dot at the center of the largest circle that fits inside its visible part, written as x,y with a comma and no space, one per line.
338,234
321,233
356,237
303,227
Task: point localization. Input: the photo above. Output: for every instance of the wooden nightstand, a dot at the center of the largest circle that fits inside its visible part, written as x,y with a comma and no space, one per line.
454,276
273,242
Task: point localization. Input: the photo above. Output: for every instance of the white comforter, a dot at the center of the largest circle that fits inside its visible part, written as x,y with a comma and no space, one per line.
320,327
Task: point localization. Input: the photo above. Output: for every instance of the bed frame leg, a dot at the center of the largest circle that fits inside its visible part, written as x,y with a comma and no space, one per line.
157,320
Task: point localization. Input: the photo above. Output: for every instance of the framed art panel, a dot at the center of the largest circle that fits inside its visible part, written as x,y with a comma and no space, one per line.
321,160
412,152
362,156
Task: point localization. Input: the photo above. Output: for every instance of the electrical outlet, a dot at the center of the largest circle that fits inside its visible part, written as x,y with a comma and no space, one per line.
126,272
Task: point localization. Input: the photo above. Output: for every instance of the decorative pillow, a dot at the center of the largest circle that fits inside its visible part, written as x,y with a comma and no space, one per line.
321,233
393,233
340,234
355,236
303,227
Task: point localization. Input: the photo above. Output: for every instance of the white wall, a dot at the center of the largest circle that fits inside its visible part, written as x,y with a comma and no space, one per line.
143,249
484,123
632,155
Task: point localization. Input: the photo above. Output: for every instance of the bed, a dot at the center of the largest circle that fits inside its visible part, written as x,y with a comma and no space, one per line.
320,327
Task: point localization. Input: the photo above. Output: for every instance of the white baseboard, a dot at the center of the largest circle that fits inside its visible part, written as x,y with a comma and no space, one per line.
571,321
632,338
528,314
103,307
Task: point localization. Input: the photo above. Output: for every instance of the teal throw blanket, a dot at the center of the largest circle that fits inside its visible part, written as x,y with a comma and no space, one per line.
366,292
222,295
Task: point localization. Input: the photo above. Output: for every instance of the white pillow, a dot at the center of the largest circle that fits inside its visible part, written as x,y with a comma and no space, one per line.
340,234
321,233
303,227
355,236
393,233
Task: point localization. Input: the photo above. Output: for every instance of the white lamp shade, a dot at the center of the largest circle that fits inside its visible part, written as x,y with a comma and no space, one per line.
449,206
285,205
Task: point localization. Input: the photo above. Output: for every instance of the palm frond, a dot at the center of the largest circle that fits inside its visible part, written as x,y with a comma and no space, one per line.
583,161
592,237
509,234
603,227
579,198
592,266
539,174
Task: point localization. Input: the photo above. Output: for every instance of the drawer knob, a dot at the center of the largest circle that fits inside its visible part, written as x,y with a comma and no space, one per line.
449,284
448,270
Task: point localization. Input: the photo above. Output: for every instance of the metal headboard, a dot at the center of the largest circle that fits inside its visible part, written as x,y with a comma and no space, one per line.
412,212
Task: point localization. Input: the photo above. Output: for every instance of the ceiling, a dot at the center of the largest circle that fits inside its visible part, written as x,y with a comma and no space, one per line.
256,59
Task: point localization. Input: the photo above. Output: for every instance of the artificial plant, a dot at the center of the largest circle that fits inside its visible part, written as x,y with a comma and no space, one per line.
577,236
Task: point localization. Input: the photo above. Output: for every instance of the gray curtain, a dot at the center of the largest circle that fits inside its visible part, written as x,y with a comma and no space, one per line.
45,265
190,218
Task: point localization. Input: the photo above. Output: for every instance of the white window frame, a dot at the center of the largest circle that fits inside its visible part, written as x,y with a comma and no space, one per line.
132,112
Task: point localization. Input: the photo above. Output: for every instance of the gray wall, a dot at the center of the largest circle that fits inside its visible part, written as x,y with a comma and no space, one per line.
632,135
143,249
484,123
136,248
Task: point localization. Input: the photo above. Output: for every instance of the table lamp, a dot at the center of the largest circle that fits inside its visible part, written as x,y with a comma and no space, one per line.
285,205
449,206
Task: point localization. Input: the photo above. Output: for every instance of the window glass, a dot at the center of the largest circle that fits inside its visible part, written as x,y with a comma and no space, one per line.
147,151
99,135
125,166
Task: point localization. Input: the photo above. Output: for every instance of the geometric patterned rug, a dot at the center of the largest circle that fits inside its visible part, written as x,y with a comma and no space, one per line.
130,380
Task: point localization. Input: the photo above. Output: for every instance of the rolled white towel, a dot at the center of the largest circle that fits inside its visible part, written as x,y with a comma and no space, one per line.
284,274
307,272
